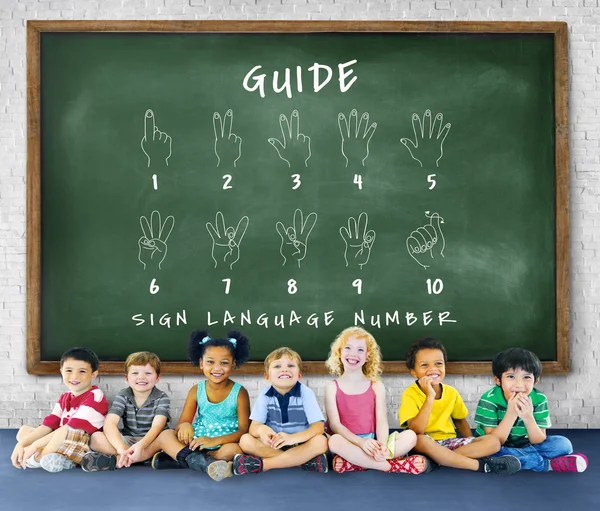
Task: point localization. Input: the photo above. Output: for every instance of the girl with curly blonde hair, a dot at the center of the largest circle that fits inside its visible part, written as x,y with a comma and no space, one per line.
357,413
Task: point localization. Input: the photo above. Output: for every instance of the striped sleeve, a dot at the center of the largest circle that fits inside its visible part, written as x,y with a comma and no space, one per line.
91,413
118,405
541,414
163,406
486,414
53,420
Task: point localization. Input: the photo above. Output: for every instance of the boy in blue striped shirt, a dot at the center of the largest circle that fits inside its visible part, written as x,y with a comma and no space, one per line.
517,413
287,428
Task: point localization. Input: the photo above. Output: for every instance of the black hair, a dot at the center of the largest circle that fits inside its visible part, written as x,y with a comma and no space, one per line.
83,354
516,358
426,343
199,341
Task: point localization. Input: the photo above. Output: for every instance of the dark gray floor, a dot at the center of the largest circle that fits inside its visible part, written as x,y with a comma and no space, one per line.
144,489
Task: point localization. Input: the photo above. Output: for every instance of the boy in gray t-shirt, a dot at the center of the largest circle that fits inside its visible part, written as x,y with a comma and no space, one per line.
144,412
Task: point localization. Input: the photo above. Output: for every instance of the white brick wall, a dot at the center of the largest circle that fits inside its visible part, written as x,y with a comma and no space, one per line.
574,399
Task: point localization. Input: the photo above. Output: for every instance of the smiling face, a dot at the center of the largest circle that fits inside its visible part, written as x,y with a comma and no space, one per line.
515,381
77,375
429,362
354,354
284,373
142,378
217,363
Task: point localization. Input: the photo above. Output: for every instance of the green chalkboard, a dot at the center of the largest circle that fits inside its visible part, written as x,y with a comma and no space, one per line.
292,184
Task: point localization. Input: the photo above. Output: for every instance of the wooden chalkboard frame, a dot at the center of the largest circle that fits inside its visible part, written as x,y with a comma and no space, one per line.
35,365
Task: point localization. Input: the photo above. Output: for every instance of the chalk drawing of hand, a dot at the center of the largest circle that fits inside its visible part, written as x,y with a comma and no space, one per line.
421,242
228,146
294,239
156,144
356,136
294,148
226,240
358,240
427,147
153,244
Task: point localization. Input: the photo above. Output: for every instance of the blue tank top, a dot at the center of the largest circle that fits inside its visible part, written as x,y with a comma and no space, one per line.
216,419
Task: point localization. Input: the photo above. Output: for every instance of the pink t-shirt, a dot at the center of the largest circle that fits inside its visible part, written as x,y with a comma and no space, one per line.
356,411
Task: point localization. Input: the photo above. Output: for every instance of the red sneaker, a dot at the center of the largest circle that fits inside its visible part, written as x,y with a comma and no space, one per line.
569,463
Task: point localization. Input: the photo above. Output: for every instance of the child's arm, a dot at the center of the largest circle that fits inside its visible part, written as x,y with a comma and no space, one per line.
40,443
462,427
524,406
382,426
262,431
243,413
19,451
419,422
502,431
134,453
184,428
112,433
282,439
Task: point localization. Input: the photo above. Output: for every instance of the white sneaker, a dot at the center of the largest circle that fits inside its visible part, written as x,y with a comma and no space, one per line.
56,463
32,463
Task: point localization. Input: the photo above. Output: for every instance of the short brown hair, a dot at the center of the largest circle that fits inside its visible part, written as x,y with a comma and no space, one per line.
141,358
283,352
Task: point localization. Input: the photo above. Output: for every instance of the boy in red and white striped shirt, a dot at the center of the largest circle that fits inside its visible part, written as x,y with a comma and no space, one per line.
63,438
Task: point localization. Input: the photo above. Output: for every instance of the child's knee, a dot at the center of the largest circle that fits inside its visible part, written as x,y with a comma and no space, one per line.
246,442
320,443
408,436
423,441
559,444
494,443
335,443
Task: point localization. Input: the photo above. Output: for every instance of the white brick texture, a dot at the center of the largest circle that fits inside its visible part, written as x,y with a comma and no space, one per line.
574,399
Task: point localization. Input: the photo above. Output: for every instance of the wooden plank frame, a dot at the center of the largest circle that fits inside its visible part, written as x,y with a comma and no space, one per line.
35,365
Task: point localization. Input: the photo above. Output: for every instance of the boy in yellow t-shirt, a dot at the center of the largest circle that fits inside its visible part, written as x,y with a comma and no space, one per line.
435,412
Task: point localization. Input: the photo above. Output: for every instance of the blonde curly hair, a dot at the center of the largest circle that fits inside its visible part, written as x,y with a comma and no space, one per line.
373,366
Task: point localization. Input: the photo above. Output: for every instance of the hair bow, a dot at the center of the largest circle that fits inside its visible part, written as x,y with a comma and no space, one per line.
205,340
233,341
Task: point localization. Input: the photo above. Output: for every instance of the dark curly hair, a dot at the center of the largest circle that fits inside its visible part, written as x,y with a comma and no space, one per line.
426,343
199,341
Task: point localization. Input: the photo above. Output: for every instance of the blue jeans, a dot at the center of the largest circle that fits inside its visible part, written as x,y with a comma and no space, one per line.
537,457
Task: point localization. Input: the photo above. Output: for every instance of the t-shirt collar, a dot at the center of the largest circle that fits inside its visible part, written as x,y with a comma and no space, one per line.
296,391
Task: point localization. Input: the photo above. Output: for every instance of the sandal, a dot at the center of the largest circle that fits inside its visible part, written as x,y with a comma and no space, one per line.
407,466
346,466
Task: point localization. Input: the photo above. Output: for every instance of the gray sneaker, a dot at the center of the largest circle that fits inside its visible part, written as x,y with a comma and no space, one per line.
56,463
505,465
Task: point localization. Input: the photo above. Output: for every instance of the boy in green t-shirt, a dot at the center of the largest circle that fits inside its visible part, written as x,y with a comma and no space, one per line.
518,415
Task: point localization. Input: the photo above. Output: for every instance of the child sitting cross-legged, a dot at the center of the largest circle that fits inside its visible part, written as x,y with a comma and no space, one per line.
221,406
357,414
517,413
435,411
287,428
144,410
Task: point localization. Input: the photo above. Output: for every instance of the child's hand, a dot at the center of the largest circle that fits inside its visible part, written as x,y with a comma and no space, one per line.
123,459
370,446
524,406
282,439
426,386
266,435
512,403
17,455
185,433
28,453
133,454
382,453
199,443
